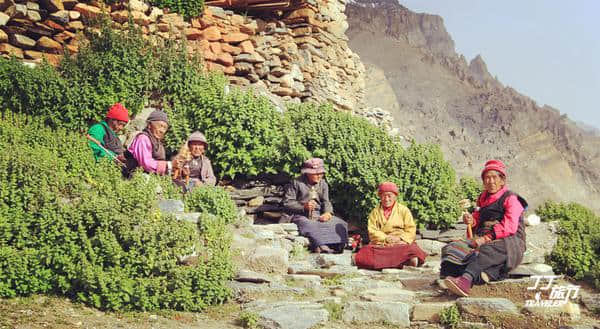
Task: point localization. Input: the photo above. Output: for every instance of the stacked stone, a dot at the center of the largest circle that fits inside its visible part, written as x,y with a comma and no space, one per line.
303,56
33,30
259,200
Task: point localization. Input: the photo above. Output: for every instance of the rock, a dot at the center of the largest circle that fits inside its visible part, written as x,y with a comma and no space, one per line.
138,5
74,26
532,220
8,49
246,47
269,260
225,59
532,269
286,81
591,301
34,15
61,16
53,5
233,50
192,217
250,58
429,312
212,33
540,242
16,11
155,13
486,306
431,247
388,295
193,34
255,202
303,277
249,28
328,260
289,227
243,288
366,282
299,267
3,18
74,15
570,309
394,313
174,20
49,45
450,235
3,36
87,11
429,234
336,270
282,91
419,283
243,68
251,276
291,315
22,41
140,18
171,206
235,38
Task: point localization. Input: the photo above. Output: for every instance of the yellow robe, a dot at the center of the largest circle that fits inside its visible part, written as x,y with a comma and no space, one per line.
400,223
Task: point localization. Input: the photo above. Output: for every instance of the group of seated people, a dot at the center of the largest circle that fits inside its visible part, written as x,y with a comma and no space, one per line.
189,168
496,247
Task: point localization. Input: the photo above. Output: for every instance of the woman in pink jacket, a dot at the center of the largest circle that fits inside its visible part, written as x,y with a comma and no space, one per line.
147,150
498,243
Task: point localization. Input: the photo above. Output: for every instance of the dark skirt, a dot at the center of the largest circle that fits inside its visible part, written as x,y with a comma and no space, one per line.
333,232
377,257
490,258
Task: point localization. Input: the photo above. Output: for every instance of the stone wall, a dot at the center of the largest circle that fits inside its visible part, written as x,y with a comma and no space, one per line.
299,56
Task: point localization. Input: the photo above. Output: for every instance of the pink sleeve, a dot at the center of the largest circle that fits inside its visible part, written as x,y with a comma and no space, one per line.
510,223
141,148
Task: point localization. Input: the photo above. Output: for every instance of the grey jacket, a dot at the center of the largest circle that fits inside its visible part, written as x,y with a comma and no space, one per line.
297,193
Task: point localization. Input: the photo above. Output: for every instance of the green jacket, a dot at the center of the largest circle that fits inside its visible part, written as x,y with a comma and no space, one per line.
98,132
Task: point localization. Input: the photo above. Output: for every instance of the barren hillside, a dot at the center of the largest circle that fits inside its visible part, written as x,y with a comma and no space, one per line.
436,96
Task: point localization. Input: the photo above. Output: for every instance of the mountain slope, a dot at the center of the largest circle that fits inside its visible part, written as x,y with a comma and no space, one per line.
436,96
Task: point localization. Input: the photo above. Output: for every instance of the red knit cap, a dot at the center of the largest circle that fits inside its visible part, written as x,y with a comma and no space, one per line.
118,112
496,165
388,187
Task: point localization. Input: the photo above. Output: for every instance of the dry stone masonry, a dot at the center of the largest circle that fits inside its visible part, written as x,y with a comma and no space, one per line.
301,56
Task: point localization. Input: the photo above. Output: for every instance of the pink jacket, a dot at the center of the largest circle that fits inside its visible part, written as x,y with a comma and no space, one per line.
512,211
141,148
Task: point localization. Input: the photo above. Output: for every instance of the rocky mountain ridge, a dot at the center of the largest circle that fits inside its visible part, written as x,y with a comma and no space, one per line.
436,96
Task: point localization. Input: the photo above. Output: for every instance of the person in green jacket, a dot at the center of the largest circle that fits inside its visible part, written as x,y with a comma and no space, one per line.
102,136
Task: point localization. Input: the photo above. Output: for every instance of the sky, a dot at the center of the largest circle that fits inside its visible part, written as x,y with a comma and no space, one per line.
548,50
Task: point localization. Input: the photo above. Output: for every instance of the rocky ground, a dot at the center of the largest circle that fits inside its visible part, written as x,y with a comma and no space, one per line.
279,284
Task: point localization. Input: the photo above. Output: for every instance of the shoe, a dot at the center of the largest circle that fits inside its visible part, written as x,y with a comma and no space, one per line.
414,262
485,277
326,250
460,286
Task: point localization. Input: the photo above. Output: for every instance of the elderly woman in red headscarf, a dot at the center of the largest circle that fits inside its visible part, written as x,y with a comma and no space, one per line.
498,243
392,233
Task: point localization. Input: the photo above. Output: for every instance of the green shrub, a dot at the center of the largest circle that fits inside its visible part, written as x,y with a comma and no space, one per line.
70,226
186,8
243,130
358,156
469,188
249,320
450,317
578,246
213,200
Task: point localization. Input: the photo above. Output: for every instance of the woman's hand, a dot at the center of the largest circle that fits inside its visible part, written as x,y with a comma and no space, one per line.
325,217
468,218
391,240
310,205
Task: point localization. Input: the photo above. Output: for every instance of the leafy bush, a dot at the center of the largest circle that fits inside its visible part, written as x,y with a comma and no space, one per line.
358,156
249,320
213,200
578,246
450,317
186,8
69,227
242,129
469,188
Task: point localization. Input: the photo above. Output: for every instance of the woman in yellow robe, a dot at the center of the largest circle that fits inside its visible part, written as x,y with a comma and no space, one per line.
392,232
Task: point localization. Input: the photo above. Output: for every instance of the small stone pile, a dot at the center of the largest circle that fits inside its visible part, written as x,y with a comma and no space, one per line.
260,200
